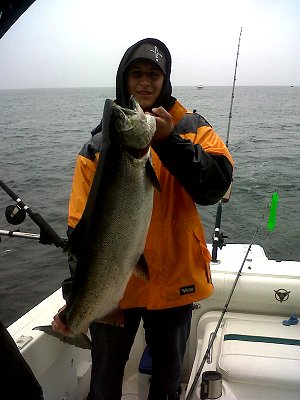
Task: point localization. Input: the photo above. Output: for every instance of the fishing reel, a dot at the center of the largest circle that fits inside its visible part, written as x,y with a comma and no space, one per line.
218,242
220,239
15,215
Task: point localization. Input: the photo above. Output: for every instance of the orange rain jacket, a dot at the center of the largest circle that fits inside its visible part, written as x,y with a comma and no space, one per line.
175,249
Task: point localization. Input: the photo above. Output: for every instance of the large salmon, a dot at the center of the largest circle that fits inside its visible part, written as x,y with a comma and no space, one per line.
109,239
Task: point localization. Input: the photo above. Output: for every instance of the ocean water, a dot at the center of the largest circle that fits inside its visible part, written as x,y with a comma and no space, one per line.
42,130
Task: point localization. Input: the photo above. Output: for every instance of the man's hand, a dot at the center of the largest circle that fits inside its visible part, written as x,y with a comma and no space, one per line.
59,326
164,124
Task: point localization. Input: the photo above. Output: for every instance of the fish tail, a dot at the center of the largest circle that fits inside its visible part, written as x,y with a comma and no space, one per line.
79,340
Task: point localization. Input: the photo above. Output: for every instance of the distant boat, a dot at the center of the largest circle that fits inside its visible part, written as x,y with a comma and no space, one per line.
292,85
200,86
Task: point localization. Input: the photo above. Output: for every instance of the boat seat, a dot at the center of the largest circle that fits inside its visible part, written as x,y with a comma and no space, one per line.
265,349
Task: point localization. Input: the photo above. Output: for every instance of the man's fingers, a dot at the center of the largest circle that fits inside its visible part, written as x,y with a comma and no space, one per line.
59,326
161,112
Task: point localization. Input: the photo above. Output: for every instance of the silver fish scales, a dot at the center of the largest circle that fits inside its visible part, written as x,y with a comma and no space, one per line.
109,239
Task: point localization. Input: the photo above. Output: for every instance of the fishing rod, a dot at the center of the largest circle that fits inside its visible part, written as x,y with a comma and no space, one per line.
18,234
214,334
233,87
15,214
218,236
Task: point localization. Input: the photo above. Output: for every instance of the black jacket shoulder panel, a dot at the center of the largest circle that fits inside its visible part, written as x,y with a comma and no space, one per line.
92,146
190,123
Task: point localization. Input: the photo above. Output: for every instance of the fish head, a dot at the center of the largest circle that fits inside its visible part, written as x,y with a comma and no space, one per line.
132,127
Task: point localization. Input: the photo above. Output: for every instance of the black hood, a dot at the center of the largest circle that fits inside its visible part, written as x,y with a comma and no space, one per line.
159,52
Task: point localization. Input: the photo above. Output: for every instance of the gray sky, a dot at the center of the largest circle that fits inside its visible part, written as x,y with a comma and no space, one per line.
72,43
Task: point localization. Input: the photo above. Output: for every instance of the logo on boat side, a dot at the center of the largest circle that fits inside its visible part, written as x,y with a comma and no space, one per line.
187,290
282,295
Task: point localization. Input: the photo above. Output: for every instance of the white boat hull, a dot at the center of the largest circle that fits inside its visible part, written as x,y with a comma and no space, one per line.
267,293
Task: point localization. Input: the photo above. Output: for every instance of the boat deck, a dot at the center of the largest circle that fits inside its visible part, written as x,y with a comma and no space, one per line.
267,293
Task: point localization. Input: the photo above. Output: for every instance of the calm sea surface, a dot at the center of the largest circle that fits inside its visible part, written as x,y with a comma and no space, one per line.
42,130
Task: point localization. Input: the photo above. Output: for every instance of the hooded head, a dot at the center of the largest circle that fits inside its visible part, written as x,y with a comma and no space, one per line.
150,50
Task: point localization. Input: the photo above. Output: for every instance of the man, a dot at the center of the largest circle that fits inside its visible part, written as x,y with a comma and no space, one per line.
16,377
193,166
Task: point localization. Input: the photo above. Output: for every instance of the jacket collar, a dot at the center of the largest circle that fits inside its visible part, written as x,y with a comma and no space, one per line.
177,111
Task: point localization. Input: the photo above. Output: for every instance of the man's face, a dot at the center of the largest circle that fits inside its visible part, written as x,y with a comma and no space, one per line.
144,81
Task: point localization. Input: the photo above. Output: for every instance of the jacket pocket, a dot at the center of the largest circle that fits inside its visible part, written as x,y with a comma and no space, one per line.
206,256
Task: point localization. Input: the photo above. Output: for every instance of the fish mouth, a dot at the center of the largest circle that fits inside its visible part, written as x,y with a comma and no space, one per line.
133,103
133,129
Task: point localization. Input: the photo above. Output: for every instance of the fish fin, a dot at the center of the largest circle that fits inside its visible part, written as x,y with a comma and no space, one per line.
79,340
152,175
142,269
115,317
